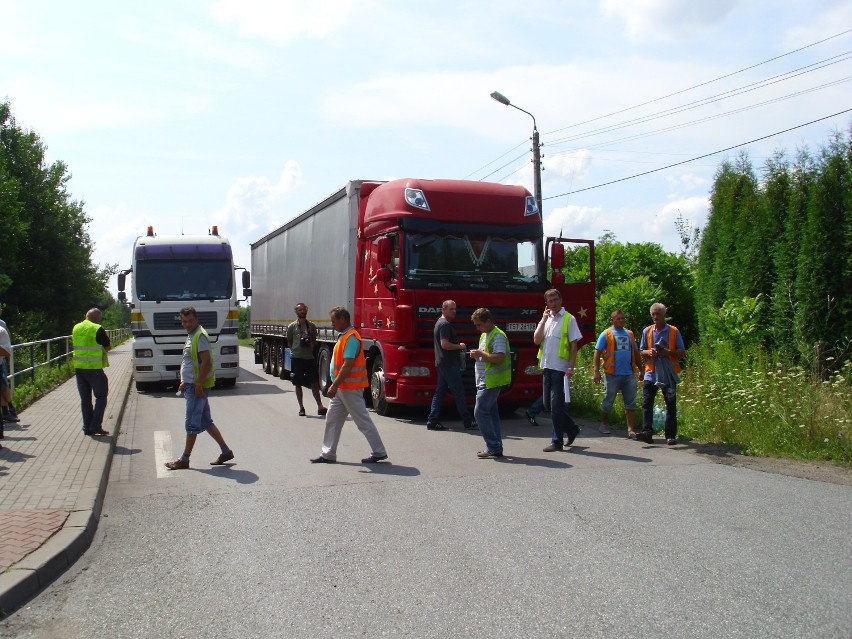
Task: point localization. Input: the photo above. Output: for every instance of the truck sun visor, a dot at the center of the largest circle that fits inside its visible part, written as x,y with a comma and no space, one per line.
183,251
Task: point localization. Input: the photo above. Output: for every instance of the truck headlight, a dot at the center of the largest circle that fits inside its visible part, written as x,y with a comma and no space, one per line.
414,371
144,352
229,350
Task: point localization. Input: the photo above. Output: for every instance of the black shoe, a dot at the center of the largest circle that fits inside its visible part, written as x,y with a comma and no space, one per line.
323,460
671,441
436,426
471,425
99,433
645,436
374,459
571,438
530,418
301,412
552,448
489,454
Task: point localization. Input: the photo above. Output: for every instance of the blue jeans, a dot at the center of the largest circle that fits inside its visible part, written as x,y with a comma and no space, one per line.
553,383
92,382
198,417
488,418
449,378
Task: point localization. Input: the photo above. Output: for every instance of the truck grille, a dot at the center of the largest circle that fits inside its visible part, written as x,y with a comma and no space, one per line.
171,321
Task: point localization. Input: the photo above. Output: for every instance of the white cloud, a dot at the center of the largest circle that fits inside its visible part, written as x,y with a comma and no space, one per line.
572,221
687,182
668,19
281,21
693,209
253,206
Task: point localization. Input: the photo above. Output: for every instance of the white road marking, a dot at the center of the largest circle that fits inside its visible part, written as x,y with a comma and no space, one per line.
162,452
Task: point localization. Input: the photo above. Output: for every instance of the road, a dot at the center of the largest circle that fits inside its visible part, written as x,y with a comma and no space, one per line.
614,538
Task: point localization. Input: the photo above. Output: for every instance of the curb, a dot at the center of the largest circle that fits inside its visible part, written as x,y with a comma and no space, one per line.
41,567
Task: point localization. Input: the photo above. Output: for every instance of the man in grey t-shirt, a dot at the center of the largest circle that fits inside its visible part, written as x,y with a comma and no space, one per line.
301,338
448,362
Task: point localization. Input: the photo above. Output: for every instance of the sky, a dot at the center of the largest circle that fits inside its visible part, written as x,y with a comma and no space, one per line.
245,113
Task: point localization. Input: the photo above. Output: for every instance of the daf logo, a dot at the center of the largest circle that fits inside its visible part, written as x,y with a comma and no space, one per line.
428,310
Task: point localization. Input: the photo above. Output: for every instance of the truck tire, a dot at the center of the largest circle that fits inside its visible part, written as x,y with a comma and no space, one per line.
275,356
377,388
323,362
143,387
267,356
229,382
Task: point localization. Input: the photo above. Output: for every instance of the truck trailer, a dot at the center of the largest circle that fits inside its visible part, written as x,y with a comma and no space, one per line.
392,253
170,272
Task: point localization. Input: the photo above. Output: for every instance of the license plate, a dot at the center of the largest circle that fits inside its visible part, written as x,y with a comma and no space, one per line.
520,326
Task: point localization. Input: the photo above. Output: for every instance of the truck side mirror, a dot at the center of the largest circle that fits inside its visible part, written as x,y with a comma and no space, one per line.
122,296
557,255
383,250
121,282
246,292
246,280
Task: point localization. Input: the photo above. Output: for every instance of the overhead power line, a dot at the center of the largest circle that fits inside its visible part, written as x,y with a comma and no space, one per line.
696,86
762,84
668,166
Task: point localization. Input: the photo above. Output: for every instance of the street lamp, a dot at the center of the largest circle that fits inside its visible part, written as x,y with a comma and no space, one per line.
502,99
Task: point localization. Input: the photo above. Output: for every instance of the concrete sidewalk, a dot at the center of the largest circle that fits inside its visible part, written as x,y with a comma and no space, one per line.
52,484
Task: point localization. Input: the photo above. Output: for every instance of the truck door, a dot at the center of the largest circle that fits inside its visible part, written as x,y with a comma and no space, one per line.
381,273
572,270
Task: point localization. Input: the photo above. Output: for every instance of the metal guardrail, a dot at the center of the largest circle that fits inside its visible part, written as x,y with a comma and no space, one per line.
40,352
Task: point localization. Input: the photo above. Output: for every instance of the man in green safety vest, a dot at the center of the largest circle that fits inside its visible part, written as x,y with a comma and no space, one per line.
91,344
493,373
196,380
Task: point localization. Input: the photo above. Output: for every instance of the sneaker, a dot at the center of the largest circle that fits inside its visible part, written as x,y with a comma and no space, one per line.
489,454
604,430
530,418
322,460
471,425
302,412
178,464
671,442
553,447
222,458
373,459
631,435
322,411
644,436
436,426
99,433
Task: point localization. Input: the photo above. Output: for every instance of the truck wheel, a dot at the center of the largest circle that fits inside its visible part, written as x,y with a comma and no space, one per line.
323,362
377,388
229,382
275,356
267,365
142,387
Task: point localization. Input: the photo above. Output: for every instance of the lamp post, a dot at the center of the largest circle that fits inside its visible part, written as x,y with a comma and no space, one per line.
536,149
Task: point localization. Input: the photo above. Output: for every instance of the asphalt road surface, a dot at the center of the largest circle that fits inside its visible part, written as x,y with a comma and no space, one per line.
611,539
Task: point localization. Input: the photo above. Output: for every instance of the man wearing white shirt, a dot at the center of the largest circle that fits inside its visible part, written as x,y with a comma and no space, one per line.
558,336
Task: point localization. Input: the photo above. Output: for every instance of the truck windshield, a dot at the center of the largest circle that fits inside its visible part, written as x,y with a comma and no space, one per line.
464,261
161,280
